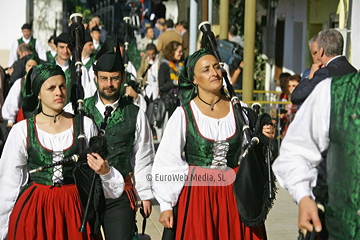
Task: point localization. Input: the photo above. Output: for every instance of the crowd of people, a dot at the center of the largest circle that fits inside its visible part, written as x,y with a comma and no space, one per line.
180,101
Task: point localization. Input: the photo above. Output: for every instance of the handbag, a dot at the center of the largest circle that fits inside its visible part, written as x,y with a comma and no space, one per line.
171,102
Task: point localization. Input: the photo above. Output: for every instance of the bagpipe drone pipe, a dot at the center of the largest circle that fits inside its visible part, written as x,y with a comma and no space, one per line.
254,186
88,183
128,82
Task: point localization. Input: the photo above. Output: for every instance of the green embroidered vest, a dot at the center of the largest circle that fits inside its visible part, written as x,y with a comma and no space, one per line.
90,62
96,50
342,214
199,150
32,43
120,131
39,156
49,57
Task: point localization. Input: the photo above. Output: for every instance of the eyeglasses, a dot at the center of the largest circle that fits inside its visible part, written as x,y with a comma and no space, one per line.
115,79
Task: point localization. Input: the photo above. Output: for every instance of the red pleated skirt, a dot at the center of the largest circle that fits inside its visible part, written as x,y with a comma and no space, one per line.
46,212
211,211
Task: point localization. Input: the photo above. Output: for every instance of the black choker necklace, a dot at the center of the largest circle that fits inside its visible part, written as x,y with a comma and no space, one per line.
52,116
211,105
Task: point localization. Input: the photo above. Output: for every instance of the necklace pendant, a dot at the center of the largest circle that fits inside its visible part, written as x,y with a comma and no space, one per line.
54,119
212,107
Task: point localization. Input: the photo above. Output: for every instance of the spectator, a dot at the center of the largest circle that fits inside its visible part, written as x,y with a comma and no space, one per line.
169,72
330,63
233,35
149,38
159,27
168,35
283,82
182,28
313,52
290,109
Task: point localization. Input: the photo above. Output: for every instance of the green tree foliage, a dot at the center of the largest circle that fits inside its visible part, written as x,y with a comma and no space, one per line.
76,6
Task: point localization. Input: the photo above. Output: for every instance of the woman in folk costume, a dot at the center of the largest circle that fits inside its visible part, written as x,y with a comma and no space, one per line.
201,205
46,204
11,110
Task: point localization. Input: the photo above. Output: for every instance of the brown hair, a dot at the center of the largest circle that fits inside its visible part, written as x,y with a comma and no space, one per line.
295,77
170,49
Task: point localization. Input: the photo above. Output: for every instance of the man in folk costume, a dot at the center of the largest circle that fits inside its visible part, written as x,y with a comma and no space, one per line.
130,145
330,116
35,44
51,54
87,55
96,35
63,60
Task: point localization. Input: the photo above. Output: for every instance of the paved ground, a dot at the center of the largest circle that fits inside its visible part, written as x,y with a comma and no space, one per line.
281,223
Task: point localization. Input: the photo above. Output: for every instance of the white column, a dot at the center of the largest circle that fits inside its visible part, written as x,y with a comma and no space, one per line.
45,13
193,26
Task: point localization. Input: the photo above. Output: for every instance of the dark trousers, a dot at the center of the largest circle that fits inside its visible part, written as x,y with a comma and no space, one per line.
119,221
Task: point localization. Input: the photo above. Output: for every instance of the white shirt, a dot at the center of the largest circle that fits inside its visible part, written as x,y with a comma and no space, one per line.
141,45
96,44
12,102
169,158
305,140
237,39
14,170
39,48
85,60
152,88
143,152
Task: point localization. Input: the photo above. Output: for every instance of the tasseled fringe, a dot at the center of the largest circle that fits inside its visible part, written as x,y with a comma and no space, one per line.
130,192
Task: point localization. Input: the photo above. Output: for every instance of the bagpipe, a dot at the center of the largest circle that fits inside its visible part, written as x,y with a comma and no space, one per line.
88,183
254,186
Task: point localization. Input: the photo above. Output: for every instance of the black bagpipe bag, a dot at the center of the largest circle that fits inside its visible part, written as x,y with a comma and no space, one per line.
251,186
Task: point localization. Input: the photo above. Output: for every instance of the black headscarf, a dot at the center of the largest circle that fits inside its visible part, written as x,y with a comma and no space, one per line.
34,80
187,89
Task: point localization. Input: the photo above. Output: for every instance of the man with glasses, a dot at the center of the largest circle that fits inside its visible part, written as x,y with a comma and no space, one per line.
130,145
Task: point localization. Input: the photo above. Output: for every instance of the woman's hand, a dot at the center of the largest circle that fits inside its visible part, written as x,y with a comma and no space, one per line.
98,164
269,130
167,218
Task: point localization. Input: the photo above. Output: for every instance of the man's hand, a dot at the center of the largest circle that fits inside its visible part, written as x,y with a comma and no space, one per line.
269,130
10,70
98,164
147,207
308,212
131,92
314,68
9,126
167,218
